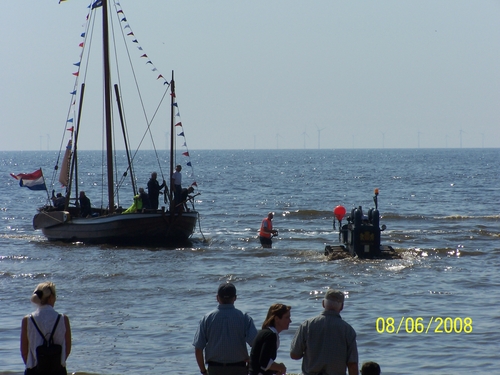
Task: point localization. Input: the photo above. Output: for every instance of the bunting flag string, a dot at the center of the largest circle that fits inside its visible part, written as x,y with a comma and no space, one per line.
129,33
71,115
185,153
135,40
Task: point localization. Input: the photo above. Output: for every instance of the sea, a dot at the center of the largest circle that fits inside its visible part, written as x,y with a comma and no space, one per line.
135,310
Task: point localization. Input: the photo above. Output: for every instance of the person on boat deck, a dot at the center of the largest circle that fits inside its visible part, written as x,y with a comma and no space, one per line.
85,206
184,198
136,206
144,198
154,188
266,231
177,182
58,201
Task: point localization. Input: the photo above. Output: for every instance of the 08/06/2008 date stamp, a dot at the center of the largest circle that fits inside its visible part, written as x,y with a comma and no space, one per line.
420,325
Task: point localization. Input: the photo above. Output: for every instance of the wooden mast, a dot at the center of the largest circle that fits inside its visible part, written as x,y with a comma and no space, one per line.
107,105
172,115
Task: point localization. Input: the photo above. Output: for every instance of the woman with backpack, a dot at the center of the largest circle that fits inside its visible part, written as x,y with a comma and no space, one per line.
45,335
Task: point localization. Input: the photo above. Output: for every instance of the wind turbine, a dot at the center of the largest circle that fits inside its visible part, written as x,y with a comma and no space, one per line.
319,134
48,139
461,131
277,140
383,139
305,135
418,138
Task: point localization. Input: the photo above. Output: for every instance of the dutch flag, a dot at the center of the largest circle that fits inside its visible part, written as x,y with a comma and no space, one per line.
33,181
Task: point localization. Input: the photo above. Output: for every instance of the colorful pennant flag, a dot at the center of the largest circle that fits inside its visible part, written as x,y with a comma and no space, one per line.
97,4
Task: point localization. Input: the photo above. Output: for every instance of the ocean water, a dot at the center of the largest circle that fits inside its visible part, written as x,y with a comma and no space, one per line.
135,310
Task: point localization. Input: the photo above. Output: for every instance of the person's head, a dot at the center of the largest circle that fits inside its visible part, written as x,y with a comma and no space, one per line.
58,195
270,215
226,294
82,194
370,368
141,190
278,316
178,167
44,294
190,189
154,175
334,300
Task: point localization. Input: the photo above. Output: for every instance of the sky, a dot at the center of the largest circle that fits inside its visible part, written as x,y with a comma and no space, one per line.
281,74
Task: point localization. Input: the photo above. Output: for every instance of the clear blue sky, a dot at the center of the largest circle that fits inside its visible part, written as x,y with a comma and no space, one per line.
277,74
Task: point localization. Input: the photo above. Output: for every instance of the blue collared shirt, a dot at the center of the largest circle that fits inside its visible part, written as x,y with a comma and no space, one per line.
224,333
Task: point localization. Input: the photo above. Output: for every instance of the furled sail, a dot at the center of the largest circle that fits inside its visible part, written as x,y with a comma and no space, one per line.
64,174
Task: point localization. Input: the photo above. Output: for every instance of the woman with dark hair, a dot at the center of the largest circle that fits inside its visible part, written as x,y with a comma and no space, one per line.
266,343
45,321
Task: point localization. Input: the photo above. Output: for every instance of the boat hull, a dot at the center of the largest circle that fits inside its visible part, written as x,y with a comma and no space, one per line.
159,228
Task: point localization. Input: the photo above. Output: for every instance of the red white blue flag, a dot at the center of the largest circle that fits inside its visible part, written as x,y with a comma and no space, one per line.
33,181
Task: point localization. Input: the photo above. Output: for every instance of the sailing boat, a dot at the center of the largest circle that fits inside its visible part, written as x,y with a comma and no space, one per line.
109,224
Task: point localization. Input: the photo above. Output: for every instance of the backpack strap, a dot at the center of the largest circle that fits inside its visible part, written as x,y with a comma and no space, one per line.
51,338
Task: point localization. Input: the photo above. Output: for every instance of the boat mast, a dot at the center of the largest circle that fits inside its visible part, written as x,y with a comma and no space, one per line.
107,105
172,114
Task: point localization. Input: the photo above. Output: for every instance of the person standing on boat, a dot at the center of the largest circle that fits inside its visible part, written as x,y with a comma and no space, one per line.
59,201
144,198
223,334
154,188
85,205
185,197
177,182
45,318
267,232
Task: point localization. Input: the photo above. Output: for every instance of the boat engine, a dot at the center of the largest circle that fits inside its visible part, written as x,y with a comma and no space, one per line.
361,235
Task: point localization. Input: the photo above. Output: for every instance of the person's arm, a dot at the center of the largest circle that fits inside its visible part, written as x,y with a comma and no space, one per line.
352,368
295,356
279,367
24,339
297,347
67,337
200,360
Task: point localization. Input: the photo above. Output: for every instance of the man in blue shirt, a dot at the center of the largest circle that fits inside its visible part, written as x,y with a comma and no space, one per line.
223,334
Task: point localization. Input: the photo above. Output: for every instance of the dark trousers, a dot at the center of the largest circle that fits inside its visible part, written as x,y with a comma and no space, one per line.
227,370
34,371
266,242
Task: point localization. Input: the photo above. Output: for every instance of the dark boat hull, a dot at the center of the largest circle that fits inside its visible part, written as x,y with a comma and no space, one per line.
136,228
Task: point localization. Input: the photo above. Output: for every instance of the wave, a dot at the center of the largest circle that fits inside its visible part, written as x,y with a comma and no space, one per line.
455,217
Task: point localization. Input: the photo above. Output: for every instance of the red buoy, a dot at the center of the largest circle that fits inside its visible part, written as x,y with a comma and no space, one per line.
339,212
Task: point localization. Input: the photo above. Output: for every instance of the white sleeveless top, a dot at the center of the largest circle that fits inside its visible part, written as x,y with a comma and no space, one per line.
45,317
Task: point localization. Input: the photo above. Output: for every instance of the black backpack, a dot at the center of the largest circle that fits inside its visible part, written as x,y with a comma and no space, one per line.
48,355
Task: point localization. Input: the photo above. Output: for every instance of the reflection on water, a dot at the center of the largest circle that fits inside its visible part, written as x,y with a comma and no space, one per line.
135,309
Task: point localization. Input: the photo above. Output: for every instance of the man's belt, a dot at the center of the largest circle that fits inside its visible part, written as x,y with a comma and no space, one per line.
234,364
